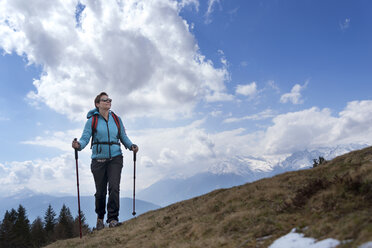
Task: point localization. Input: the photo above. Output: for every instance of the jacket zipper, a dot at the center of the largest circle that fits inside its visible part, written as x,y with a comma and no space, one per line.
108,137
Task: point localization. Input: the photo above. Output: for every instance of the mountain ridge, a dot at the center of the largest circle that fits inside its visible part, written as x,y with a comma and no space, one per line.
236,171
332,200
166,192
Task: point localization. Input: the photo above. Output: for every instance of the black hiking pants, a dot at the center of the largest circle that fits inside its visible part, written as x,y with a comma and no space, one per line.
105,173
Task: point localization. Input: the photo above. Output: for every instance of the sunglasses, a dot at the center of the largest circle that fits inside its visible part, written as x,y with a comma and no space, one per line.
106,100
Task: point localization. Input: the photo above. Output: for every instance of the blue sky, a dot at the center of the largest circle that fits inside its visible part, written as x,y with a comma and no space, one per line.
196,82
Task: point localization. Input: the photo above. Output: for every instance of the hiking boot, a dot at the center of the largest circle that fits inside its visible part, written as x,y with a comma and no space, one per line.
99,225
114,223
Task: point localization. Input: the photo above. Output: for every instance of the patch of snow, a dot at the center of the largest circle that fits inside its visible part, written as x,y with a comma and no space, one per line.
366,245
296,240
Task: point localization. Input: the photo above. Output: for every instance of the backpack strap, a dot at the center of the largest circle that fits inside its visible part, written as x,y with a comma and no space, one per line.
117,122
94,123
94,128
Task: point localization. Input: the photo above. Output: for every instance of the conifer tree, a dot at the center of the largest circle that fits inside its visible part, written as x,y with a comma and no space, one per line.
38,234
7,235
64,228
21,229
321,160
84,226
50,223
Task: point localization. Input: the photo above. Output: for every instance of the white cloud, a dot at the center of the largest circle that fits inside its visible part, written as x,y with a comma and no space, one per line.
210,9
217,96
317,127
49,176
167,156
141,53
57,176
295,95
244,64
345,24
272,85
354,122
298,130
184,3
247,89
216,113
222,58
268,113
56,139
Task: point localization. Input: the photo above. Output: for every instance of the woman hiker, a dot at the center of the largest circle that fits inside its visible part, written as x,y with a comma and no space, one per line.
106,130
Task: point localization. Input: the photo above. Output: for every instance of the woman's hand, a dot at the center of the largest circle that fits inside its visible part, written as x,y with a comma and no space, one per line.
134,148
75,144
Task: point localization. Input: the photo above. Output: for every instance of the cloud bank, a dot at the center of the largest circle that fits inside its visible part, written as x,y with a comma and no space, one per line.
140,52
187,150
316,127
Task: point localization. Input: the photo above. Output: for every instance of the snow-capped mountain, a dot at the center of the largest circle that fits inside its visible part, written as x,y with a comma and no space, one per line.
248,166
332,152
235,171
304,159
243,166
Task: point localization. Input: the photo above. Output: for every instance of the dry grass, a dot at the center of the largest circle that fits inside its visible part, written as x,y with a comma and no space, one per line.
332,200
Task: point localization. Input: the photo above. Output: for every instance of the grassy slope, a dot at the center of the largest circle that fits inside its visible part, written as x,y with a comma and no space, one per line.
333,200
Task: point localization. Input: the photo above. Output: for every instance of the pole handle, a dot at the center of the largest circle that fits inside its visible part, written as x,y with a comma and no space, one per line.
76,151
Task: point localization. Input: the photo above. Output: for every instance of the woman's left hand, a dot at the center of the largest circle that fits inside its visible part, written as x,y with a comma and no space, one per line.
134,148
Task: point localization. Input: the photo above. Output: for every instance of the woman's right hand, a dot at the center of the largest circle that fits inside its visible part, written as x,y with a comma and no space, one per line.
75,144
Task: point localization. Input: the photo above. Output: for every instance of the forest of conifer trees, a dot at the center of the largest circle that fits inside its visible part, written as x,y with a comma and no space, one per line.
17,232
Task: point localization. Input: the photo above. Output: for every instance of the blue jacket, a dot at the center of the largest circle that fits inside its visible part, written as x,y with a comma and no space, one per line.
106,131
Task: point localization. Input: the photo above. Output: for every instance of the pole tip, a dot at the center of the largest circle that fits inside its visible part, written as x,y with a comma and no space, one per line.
134,213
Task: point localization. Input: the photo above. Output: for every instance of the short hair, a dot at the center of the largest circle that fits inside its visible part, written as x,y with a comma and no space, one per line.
98,98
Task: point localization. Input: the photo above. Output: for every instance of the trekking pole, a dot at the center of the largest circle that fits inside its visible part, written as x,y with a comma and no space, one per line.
77,180
134,183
